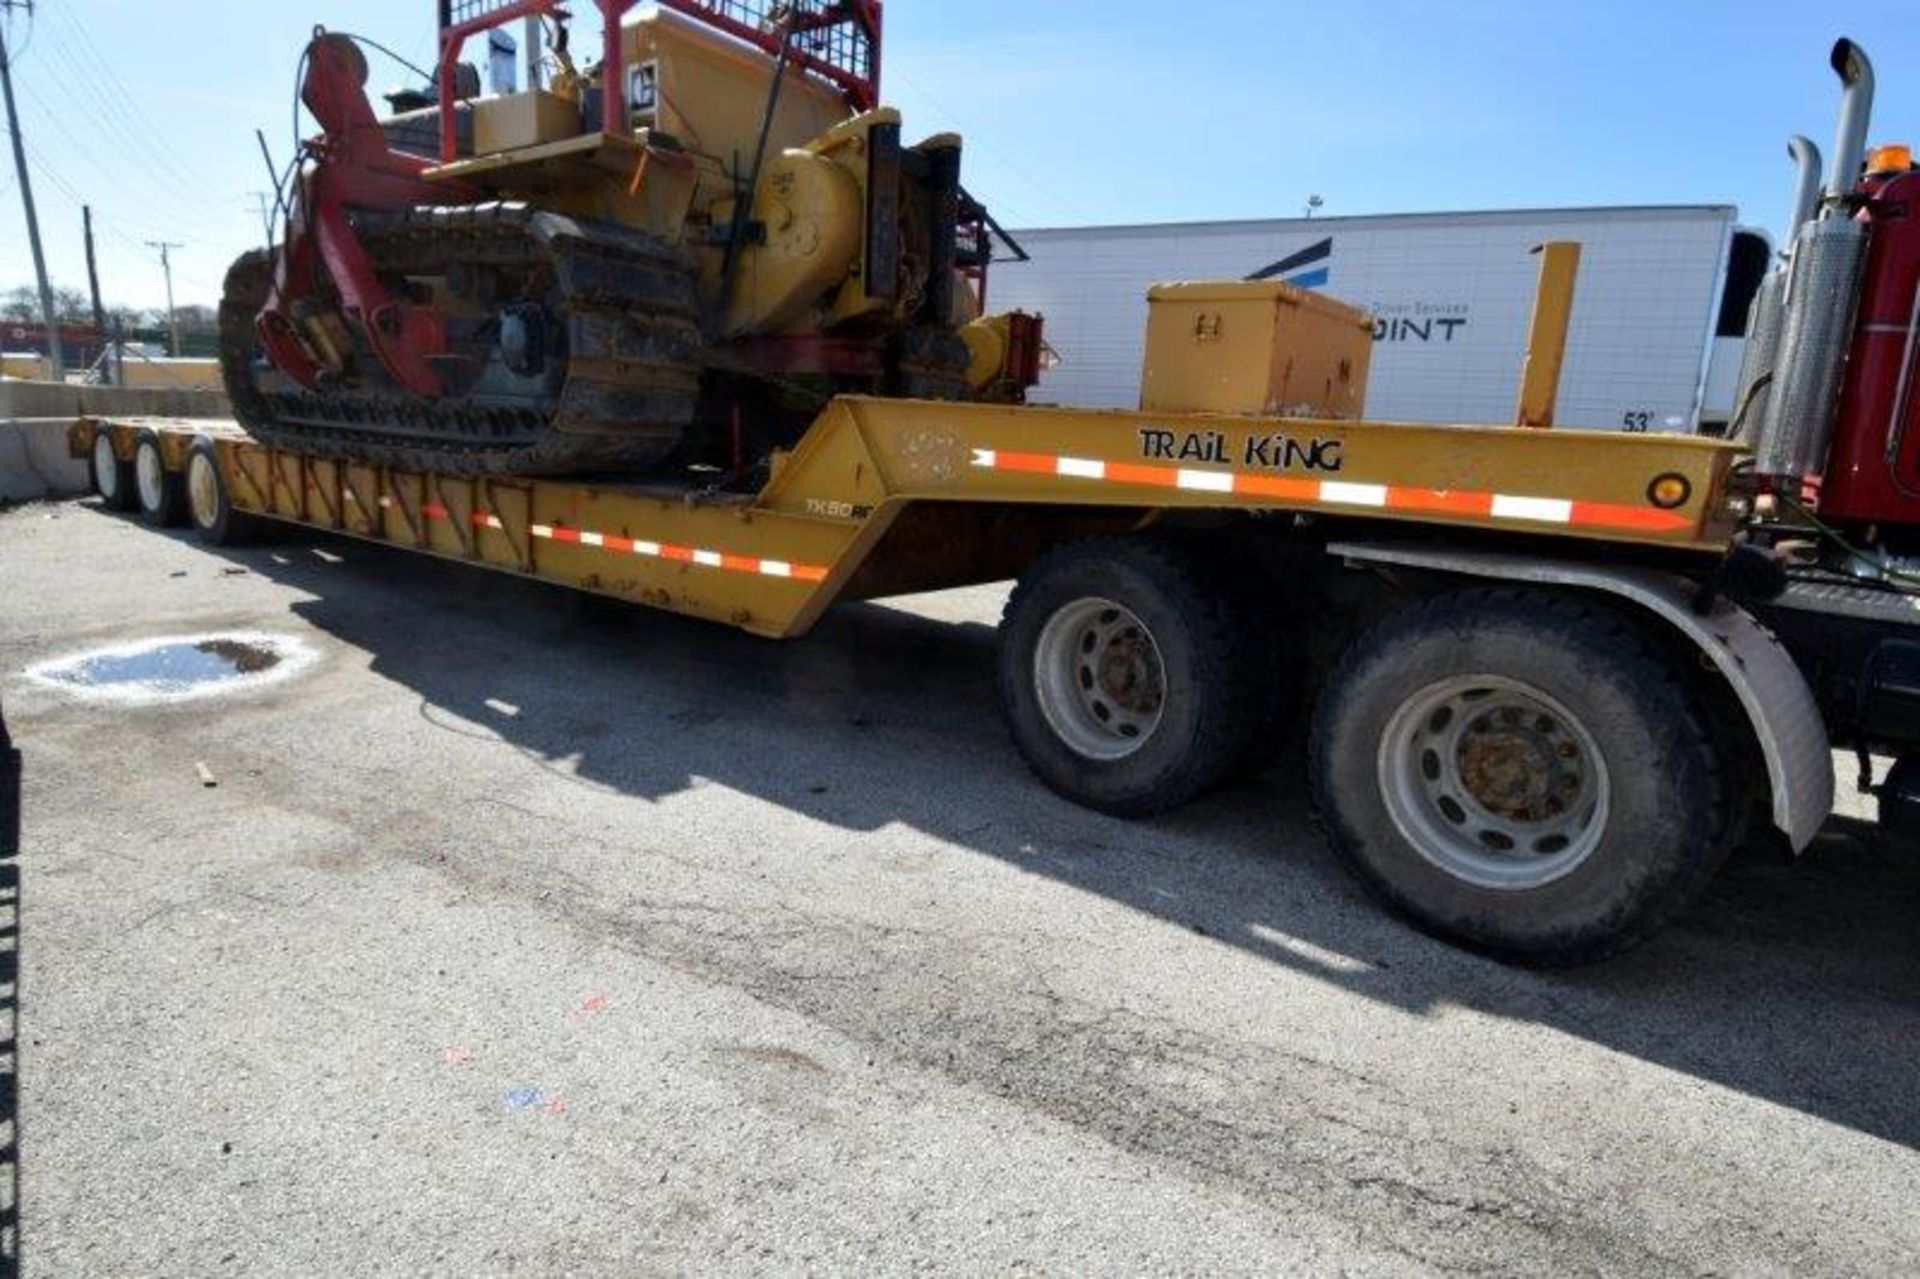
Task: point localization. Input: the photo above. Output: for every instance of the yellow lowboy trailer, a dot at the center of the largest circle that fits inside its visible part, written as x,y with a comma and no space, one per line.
1511,740
887,496
1530,666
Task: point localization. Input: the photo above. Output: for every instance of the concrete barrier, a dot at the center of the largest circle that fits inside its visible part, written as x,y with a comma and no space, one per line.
34,417
34,462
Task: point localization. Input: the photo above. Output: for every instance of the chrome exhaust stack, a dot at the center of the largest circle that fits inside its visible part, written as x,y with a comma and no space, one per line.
1822,290
1850,63
1761,351
1806,187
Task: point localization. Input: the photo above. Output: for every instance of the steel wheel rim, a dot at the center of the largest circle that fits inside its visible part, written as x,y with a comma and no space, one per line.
106,467
203,490
1494,781
1099,678
148,475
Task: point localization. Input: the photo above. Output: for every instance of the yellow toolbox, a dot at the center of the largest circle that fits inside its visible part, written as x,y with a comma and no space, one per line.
1254,346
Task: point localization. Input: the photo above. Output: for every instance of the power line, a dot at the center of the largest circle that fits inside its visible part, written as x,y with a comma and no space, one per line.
77,143
147,154
115,101
21,52
988,148
41,165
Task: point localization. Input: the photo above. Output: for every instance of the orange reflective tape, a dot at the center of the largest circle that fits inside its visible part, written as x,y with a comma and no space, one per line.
1439,501
1141,473
1034,463
1288,488
1646,518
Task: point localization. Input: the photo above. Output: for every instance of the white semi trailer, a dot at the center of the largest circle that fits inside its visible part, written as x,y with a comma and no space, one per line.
1657,322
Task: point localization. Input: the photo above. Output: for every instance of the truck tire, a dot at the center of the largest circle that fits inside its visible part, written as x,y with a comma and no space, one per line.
112,478
1117,671
1520,772
162,497
208,505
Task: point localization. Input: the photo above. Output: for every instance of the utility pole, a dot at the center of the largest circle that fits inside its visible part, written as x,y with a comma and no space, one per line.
173,318
93,274
59,361
263,201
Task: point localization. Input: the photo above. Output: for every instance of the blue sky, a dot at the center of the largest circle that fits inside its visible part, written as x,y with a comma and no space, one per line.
1085,111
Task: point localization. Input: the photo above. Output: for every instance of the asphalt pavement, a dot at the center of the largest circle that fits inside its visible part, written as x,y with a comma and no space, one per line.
519,932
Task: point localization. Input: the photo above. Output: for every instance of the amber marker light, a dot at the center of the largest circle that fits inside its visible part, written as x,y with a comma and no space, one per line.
1669,490
1895,157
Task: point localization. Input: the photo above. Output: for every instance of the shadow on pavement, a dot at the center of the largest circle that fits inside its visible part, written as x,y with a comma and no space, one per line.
1794,982
9,1004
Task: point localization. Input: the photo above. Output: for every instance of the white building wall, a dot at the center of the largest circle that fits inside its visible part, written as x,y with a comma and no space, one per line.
1452,293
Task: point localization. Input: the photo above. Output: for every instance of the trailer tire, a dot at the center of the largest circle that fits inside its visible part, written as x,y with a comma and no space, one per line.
1117,670
1520,772
162,497
209,506
112,478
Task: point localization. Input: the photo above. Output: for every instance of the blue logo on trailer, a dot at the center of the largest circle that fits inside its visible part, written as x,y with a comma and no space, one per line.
1308,269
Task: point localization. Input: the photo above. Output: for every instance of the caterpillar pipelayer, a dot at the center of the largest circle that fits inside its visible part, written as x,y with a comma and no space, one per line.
679,253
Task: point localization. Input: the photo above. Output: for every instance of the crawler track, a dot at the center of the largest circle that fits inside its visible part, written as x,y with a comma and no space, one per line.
611,381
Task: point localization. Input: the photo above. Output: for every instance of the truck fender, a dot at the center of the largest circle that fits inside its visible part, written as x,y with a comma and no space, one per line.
1780,707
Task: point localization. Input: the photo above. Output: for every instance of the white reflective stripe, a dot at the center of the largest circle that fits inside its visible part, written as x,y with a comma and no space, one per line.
386,501
1551,510
984,457
592,539
710,558
1353,494
646,548
1085,468
492,521
776,568
543,530
1208,481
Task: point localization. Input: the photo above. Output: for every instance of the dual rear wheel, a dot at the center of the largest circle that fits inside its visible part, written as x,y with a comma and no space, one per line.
1524,772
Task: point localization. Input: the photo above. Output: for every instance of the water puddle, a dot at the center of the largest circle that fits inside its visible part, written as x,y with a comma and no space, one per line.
177,668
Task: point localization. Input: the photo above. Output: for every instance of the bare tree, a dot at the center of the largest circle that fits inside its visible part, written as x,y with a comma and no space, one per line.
72,306
22,306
